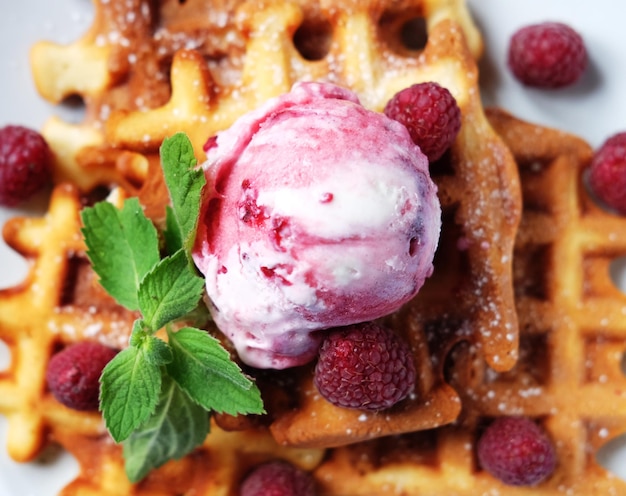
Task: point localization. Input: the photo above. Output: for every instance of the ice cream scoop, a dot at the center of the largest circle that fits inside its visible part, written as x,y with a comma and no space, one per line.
317,213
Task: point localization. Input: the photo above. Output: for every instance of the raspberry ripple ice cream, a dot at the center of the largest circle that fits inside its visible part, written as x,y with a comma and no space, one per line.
317,213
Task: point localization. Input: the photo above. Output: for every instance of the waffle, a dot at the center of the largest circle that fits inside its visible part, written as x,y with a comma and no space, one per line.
250,51
195,67
60,303
214,469
572,342
118,142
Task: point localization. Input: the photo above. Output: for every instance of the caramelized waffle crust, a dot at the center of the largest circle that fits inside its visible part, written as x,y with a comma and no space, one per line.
146,70
572,343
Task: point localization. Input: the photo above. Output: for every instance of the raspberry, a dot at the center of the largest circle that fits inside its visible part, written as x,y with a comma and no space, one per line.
365,366
607,173
277,478
517,451
547,55
73,374
25,164
430,113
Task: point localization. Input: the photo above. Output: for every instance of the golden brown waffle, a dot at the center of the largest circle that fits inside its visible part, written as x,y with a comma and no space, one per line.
59,303
572,342
55,304
242,54
214,469
195,67
480,276
264,51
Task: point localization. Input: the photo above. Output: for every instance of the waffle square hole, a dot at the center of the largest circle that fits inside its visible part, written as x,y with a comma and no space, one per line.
5,357
529,271
533,366
416,448
534,178
313,38
403,31
80,287
604,360
617,273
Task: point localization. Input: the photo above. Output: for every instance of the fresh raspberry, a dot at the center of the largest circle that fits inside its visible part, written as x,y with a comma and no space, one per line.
607,173
547,55
517,451
73,374
25,164
277,478
365,366
430,113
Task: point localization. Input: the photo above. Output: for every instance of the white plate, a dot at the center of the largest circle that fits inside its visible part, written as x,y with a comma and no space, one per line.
593,109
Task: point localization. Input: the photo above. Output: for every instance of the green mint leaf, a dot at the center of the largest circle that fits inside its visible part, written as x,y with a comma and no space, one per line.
177,426
129,391
156,350
184,182
172,235
141,331
205,371
169,291
122,246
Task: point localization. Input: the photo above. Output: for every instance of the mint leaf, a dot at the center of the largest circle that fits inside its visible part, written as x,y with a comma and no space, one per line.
177,426
169,291
156,396
157,351
129,391
205,371
122,246
185,183
172,235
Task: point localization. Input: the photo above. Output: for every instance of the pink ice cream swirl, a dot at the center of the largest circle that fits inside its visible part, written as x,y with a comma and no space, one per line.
317,213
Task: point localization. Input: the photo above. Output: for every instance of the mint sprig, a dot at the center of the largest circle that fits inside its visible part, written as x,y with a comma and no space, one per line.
122,246
185,184
129,392
205,371
177,426
170,291
156,396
